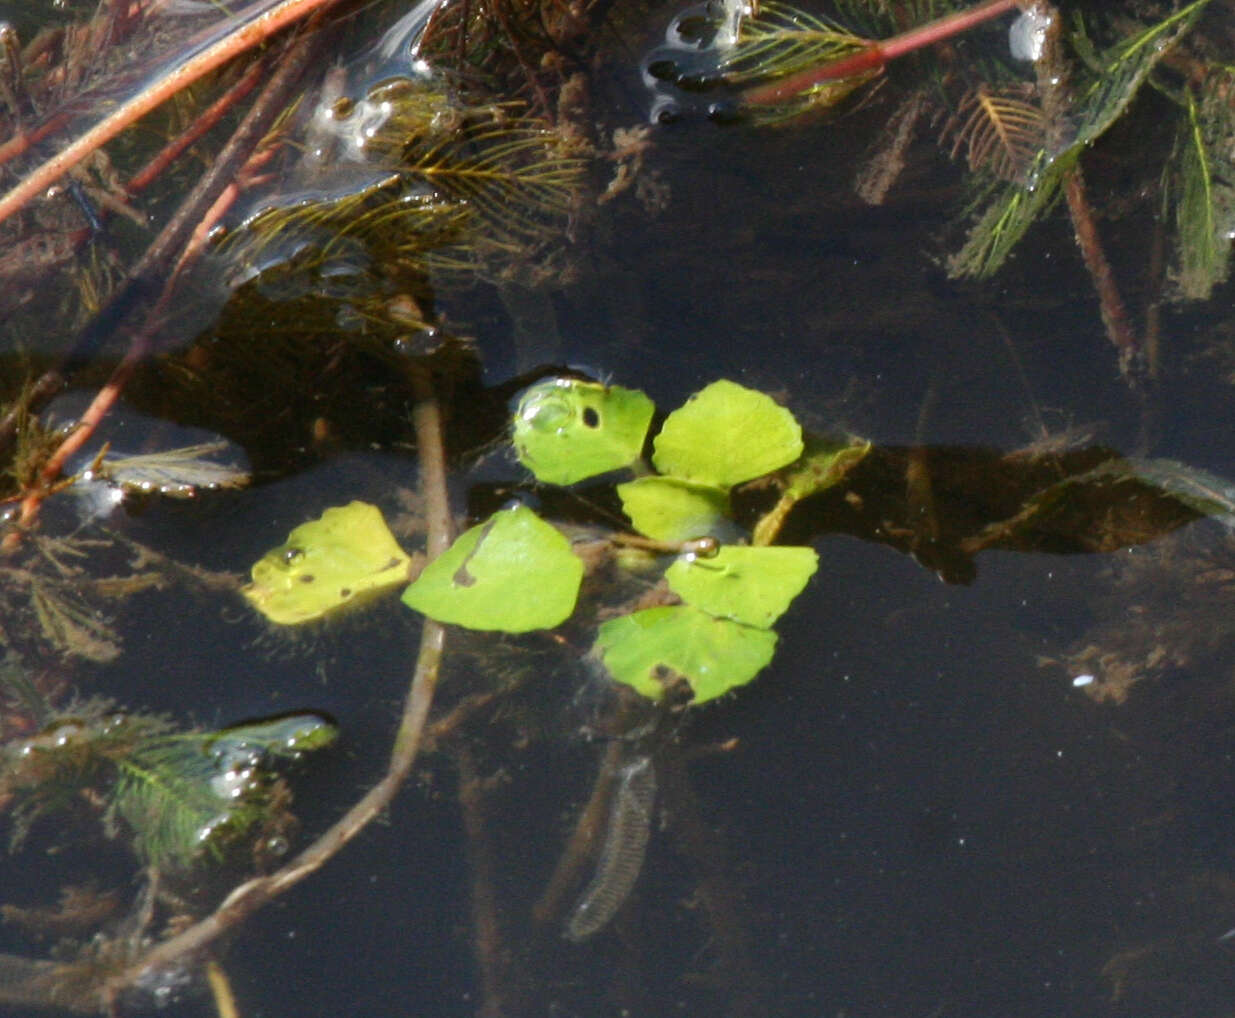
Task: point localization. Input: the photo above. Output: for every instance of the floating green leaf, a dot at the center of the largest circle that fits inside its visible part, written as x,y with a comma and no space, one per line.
567,430
726,434
671,509
347,554
753,586
513,573
651,649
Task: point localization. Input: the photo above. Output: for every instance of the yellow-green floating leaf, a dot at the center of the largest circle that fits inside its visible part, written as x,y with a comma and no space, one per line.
651,649
513,573
671,509
726,434
753,586
567,430
347,554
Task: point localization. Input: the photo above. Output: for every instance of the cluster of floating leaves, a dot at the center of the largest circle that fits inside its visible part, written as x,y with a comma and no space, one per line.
515,572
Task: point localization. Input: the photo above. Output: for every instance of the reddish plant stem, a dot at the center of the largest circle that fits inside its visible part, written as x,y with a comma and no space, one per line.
875,55
200,236
212,115
212,194
23,140
103,401
1114,314
138,350
256,29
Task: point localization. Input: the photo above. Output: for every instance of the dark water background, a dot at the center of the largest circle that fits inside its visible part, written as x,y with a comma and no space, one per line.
922,815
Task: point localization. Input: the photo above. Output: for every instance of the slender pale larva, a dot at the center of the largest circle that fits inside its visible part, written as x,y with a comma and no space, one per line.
621,855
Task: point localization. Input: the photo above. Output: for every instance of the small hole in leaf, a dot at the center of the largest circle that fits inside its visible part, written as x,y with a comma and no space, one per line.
345,593
591,419
307,578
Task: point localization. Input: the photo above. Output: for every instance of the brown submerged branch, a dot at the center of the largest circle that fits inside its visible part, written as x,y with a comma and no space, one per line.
253,895
488,948
1111,304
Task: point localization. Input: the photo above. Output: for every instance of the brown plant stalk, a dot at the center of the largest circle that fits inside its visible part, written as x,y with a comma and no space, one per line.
251,896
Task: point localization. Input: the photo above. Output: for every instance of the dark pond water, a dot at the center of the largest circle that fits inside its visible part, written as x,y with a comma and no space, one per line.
920,808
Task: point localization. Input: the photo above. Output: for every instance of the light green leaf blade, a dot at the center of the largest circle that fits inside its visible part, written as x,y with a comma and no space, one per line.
671,509
651,649
725,434
513,573
753,586
346,555
567,430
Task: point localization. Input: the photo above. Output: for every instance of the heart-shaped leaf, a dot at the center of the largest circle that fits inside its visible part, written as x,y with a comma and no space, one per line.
671,509
345,556
567,430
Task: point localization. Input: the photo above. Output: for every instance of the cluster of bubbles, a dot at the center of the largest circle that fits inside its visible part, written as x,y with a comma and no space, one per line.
684,74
